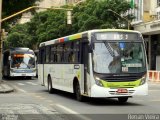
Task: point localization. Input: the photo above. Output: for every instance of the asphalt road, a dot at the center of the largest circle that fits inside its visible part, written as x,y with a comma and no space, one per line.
30,92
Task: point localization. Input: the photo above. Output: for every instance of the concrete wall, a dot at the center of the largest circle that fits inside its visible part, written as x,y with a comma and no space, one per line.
49,3
43,3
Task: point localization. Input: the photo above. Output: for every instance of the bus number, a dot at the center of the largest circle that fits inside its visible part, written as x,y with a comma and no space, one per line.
120,36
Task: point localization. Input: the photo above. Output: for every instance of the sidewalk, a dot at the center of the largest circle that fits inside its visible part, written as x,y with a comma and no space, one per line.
5,88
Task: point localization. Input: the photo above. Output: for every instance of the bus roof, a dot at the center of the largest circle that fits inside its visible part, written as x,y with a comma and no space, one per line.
81,35
18,50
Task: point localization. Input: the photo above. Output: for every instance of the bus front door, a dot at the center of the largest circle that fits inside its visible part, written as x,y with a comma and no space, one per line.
86,67
41,66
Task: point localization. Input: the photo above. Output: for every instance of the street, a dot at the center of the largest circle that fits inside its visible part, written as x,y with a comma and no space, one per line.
31,98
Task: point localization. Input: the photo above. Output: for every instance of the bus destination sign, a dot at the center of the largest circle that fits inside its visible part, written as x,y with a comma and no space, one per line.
116,36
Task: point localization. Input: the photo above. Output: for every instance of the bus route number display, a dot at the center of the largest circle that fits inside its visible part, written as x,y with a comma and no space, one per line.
116,36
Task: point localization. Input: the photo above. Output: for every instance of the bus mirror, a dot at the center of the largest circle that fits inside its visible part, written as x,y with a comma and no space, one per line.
35,58
9,58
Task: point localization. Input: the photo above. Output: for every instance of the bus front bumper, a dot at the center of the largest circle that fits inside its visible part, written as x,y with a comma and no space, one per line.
97,91
22,74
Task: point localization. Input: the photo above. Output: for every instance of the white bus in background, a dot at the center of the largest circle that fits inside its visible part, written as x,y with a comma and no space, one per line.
19,62
97,63
36,54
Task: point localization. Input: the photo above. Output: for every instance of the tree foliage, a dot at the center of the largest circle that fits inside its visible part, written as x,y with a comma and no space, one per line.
88,15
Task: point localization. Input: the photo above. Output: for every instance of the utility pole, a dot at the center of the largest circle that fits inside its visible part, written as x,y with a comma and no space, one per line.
0,41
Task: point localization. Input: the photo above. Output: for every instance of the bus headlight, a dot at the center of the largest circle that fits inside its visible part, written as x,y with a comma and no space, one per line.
34,70
98,81
143,80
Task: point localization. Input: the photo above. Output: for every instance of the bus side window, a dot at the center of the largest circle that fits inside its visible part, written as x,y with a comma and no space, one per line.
76,51
65,53
48,54
55,54
41,56
59,53
72,56
52,54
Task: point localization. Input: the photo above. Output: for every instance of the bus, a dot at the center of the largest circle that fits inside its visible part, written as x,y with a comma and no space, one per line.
19,62
36,54
100,63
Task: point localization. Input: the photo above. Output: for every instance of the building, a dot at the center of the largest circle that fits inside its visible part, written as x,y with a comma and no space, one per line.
150,28
47,4
44,4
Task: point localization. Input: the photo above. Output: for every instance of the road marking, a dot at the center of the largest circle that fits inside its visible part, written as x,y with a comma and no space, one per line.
52,104
20,84
155,100
154,90
151,84
31,83
49,101
72,112
39,96
19,89
42,98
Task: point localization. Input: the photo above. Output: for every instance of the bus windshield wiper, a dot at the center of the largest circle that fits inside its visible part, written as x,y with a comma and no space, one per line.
109,48
27,65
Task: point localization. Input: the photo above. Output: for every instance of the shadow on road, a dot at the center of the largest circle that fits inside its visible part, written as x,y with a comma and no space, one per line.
95,101
19,78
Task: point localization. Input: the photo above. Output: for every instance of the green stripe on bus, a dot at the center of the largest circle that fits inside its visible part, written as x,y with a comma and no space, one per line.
77,36
121,84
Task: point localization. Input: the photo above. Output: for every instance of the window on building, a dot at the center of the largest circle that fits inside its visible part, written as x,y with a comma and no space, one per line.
158,3
158,15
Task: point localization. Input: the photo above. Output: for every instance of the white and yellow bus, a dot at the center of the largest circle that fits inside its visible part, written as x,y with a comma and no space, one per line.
102,63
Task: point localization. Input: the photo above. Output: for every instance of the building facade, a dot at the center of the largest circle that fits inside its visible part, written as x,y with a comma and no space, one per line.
150,28
47,4
43,4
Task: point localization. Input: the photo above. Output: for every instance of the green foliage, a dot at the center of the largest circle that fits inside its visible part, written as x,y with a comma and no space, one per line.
18,37
51,24
101,17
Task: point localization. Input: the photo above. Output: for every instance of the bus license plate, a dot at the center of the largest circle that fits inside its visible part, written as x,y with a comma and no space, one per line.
121,90
23,74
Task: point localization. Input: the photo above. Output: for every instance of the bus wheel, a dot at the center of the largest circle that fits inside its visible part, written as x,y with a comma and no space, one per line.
50,89
122,99
78,95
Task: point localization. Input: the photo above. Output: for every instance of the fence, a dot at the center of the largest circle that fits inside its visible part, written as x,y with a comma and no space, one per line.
154,76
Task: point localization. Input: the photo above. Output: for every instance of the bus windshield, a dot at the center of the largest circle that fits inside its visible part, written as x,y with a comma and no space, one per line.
23,61
118,57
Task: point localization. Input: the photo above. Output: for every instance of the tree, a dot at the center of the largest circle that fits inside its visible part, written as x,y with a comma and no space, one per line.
18,37
96,14
51,24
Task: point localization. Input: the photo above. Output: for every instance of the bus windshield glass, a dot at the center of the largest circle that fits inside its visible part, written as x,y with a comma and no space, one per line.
23,61
118,57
